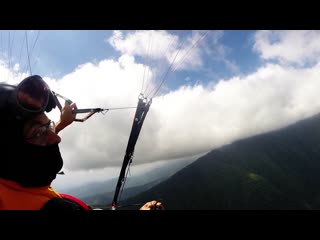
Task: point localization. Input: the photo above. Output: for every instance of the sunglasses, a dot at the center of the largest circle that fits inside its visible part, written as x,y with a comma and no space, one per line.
33,96
39,134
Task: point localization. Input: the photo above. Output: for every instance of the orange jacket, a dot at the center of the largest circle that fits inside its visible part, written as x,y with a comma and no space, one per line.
15,197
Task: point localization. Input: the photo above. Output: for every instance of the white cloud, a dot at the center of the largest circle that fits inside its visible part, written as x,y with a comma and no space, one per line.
11,75
194,119
185,122
160,45
298,47
101,140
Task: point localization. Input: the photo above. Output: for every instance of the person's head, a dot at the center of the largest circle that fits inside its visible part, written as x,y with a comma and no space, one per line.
29,145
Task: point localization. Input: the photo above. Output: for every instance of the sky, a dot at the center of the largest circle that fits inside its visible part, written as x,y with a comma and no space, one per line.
208,89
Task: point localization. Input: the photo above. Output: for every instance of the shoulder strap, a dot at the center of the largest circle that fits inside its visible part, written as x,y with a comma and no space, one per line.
67,202
76,200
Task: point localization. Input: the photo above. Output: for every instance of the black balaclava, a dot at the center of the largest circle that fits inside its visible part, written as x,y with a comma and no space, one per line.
28,164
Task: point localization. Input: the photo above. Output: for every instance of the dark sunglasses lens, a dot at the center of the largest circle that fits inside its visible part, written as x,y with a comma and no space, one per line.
33,94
